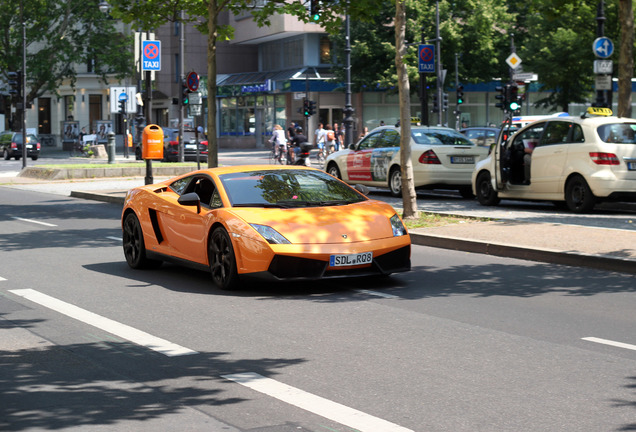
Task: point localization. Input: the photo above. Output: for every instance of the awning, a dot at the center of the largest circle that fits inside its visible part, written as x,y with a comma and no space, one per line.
284,75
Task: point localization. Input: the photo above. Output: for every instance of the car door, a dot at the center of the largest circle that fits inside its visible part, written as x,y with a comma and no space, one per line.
183,227
384,151
549,157
359,160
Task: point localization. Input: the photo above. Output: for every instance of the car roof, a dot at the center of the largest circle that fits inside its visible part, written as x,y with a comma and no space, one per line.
397,128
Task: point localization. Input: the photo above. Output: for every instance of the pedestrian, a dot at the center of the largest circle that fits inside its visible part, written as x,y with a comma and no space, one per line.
291,131
330,139
319,139
339,133
278,141
365,131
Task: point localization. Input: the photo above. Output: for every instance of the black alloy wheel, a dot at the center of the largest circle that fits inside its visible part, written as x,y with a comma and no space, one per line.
222,260
486,195
133,242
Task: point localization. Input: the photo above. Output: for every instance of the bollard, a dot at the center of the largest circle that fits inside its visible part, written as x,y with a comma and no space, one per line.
110,147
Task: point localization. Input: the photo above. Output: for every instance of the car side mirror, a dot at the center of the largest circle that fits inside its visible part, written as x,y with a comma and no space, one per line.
190,199
362,189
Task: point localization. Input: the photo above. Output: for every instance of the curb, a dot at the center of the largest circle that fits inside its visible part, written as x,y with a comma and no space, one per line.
599,262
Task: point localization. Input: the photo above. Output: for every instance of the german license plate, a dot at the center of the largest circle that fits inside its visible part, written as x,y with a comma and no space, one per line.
631,166
191,146
462,159
350,260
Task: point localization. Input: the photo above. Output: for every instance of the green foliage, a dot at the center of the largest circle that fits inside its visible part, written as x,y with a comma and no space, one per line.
61,35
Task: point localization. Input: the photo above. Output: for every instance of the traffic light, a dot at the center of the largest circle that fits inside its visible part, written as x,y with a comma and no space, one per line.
445,101
122,107
513,98
314,10
306,108
185,94
435,105
15,84
311,107
460,95
502,96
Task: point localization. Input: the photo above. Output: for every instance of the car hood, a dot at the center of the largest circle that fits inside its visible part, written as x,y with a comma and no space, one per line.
325,225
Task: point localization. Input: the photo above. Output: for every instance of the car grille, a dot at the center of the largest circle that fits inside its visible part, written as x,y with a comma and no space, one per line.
287,267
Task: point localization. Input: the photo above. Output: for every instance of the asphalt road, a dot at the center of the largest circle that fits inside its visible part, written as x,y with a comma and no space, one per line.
463,342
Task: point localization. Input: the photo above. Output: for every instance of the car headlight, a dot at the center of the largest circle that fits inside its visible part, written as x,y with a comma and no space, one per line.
398,227
270,234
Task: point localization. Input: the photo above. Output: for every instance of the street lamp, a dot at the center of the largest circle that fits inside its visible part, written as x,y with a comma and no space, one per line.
104,7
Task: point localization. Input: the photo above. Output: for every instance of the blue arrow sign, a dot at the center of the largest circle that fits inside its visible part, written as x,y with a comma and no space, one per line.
603,47
123,97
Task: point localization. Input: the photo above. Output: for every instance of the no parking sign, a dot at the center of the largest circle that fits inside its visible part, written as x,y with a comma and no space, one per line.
151,55
426,56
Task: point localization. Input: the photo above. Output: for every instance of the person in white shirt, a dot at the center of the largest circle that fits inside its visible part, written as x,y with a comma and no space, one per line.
278,139
321,135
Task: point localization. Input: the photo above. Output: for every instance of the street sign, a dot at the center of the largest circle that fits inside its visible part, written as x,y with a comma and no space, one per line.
195,98
603,66
426,58
192,81
513,60
603,47
151,55
603,82
123,93
525,76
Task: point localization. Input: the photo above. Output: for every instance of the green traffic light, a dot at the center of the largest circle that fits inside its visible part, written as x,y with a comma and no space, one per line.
514,106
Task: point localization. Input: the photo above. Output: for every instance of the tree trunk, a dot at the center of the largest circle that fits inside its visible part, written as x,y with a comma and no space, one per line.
213,145
626,58
409,197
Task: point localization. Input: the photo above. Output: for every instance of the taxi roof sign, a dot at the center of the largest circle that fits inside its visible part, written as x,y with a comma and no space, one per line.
599,111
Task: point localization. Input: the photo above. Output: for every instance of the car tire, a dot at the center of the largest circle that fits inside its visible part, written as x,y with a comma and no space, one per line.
333,170
222,260
395,181
486,195
34,158
134,246
5,154
578,195
466,192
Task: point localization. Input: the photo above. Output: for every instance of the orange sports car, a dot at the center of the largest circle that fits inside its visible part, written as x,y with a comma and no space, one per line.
275,222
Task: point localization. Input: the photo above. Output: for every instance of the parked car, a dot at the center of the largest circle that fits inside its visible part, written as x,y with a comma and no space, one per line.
265,222
578,161
171,146
442,159
481,136
11,145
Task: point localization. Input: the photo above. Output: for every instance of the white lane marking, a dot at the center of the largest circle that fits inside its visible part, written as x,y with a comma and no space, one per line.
378,294
34,221
610,342
2,279
315,404
122,330
114,238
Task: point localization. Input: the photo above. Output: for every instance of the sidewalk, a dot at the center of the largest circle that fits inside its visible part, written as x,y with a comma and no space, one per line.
574,245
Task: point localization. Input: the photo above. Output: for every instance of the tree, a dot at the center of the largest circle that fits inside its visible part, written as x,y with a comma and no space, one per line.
61,35
409,196
626,58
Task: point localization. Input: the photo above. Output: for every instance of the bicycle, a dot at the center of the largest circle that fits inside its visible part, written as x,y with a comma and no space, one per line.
277,157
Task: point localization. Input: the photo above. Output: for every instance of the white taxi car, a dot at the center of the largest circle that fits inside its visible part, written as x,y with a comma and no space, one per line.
442,159
576,160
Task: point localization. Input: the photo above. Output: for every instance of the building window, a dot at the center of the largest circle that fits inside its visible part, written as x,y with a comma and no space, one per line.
325,50
283,54
239,114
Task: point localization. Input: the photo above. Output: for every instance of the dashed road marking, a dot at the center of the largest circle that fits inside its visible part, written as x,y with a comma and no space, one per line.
610,342
378,294
315,404
114,238
34,221
122,330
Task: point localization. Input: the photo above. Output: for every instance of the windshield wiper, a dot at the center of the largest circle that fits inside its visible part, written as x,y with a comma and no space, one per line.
264,205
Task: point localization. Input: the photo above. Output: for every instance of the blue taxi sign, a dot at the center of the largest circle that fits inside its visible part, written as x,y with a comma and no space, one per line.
151,55
603,47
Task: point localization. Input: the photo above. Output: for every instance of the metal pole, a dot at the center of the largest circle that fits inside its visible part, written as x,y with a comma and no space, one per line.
438,48
24,75
423,93
348,111
181,80
601,95
148,179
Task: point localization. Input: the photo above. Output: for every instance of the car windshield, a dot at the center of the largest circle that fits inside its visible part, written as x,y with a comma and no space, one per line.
622,133
287,188
439,137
